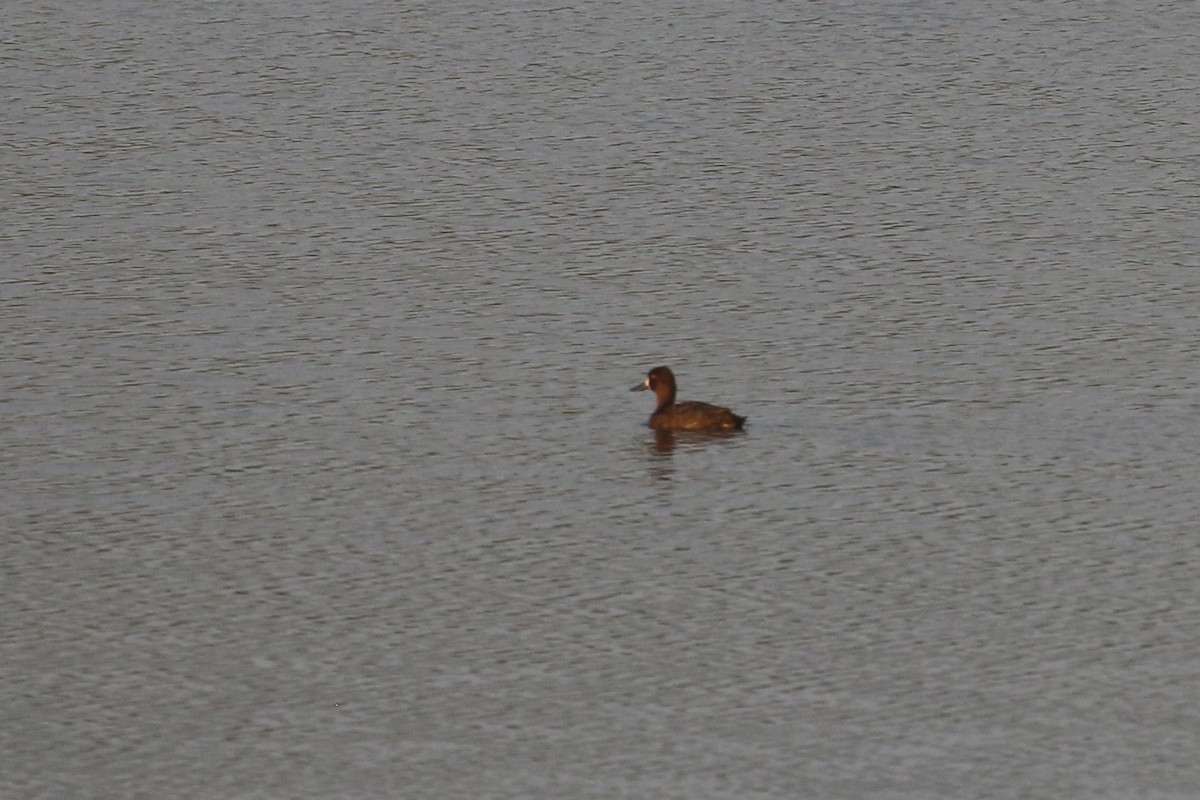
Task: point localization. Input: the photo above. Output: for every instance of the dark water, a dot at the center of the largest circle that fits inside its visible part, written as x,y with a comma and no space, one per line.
320,473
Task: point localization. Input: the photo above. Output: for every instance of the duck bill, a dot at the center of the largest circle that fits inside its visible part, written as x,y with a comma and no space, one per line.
641,386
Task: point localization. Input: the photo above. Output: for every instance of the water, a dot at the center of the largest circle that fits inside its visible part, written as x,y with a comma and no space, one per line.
322,479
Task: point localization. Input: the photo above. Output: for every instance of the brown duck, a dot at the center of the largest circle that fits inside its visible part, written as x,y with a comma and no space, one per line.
688,415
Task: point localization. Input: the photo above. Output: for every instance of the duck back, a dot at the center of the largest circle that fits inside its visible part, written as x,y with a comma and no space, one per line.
695,416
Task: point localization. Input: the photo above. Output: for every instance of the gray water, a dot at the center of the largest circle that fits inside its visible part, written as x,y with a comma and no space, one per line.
321,478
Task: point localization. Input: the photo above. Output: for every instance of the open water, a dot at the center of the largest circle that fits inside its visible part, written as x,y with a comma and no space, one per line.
320,473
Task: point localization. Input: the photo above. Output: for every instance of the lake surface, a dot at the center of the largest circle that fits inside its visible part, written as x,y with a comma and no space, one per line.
322,479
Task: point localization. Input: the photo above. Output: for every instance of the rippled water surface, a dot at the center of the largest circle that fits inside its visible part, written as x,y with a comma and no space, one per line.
321,474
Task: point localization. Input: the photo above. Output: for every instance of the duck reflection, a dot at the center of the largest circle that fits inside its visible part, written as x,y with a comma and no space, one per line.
667,441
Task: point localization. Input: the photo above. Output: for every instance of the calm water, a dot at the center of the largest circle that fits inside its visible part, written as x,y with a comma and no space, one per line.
321,477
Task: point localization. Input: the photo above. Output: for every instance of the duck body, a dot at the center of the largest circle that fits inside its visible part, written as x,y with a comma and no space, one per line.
695,416
688,415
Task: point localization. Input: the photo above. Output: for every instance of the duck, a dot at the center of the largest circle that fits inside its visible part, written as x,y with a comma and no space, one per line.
688,415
